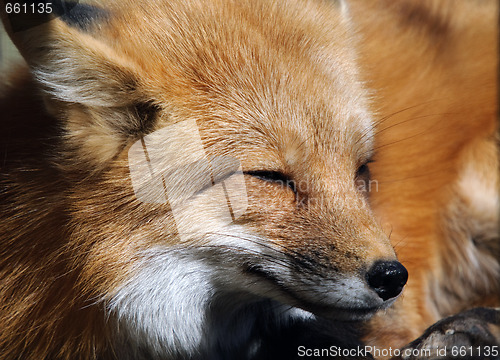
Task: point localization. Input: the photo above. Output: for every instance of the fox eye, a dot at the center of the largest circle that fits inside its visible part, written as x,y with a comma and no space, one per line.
275,177
362,180
363,172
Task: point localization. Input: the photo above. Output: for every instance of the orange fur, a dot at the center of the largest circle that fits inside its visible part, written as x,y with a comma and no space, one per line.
434,64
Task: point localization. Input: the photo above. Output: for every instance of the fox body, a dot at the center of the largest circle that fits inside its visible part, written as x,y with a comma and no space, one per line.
91,271
434,65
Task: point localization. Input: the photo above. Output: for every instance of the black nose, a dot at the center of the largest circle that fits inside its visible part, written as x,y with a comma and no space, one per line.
387,278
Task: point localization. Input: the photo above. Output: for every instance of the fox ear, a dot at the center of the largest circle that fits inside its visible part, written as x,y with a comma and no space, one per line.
86,81
66,57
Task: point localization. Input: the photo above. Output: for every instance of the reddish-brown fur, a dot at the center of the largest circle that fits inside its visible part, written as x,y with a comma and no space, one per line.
434,65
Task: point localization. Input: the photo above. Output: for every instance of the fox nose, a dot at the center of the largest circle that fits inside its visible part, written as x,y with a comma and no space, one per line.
387,278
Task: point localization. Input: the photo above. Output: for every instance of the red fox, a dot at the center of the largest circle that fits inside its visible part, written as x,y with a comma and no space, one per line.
193,180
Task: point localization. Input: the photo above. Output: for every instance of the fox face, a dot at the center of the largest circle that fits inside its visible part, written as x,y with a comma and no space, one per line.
272,88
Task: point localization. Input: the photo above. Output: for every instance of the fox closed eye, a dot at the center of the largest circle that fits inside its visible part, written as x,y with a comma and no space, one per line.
274,176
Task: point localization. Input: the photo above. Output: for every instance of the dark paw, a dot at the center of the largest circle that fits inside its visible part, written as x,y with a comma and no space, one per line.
471,335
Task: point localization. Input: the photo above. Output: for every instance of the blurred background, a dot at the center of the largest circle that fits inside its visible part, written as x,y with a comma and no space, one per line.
8,53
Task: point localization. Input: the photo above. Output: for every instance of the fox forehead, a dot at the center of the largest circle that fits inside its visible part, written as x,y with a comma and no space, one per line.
291,89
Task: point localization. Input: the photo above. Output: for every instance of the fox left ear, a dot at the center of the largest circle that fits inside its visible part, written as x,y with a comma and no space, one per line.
83,76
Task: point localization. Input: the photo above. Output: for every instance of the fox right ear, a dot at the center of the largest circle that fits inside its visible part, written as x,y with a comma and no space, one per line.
65,54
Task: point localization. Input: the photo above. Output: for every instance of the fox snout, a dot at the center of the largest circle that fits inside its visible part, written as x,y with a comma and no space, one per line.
327,291
327,268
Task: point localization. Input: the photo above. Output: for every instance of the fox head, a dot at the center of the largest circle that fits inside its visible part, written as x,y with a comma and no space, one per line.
275,89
